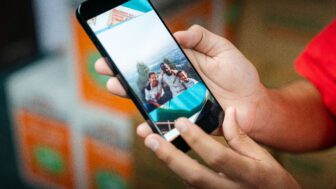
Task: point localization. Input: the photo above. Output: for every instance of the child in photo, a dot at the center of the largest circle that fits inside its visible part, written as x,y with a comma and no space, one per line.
185,80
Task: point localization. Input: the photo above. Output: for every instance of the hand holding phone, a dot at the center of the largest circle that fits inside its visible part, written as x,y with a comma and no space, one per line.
196,42
203,49
148,61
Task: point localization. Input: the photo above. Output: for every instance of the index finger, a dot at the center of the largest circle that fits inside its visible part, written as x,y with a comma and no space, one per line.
184,166
215,154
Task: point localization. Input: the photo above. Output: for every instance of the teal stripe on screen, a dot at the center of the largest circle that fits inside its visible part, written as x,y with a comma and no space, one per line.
139,5
186,104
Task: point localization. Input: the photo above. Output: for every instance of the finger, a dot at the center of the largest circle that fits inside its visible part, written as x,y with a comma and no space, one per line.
217,132
188,169
115,87
182,38
219,157
102,67
202,40
238,140
144,130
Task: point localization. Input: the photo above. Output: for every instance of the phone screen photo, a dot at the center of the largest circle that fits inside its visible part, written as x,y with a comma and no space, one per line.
157,71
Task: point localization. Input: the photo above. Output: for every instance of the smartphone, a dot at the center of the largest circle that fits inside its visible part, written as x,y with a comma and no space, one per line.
151,66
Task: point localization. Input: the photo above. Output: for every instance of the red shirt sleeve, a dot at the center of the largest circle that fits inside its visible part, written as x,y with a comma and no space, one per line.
317,63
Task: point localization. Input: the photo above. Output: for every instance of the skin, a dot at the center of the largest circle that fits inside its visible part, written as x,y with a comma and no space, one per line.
291,118
154,103
225,164
153,80
183,76
166,69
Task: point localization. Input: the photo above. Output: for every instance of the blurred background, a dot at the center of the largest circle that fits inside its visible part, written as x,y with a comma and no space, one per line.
60,128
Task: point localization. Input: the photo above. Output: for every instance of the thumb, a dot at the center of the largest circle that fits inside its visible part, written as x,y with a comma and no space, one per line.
238,139
203,41
182,37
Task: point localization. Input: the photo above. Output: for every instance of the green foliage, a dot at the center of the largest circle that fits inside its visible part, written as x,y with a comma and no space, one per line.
143,71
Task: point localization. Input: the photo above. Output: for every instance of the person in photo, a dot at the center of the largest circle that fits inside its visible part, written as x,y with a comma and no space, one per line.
153,92
169,77
186,81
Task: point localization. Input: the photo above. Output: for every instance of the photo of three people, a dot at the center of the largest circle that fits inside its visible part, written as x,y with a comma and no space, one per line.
165,85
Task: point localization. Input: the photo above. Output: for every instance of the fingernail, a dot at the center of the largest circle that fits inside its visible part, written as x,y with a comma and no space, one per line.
182,127
152,144
141,129
109,83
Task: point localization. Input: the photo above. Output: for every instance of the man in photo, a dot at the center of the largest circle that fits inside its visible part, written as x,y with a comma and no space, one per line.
186,81
154,92
169,78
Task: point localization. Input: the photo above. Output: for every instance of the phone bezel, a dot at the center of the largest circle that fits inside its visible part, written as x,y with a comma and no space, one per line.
90,9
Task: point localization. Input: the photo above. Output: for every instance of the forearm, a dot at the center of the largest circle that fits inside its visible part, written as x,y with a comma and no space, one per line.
295,119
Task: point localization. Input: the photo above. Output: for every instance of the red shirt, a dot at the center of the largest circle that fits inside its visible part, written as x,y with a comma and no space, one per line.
317,63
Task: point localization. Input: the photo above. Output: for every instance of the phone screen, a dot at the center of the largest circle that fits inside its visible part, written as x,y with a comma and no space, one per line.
156,69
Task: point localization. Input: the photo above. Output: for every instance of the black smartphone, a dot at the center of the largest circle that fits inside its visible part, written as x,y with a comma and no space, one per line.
151,66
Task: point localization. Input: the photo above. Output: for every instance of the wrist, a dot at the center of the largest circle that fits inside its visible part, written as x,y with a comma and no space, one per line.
264,109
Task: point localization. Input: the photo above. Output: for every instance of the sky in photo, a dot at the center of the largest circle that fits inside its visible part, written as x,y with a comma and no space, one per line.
137,40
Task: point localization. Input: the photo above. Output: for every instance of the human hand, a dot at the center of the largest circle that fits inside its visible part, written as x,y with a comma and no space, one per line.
232,79
234,82
244,165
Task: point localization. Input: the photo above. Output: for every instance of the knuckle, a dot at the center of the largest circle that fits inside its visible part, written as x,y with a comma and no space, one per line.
217,159
195,177
193,139
257,174
254,176
227,42
164,156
